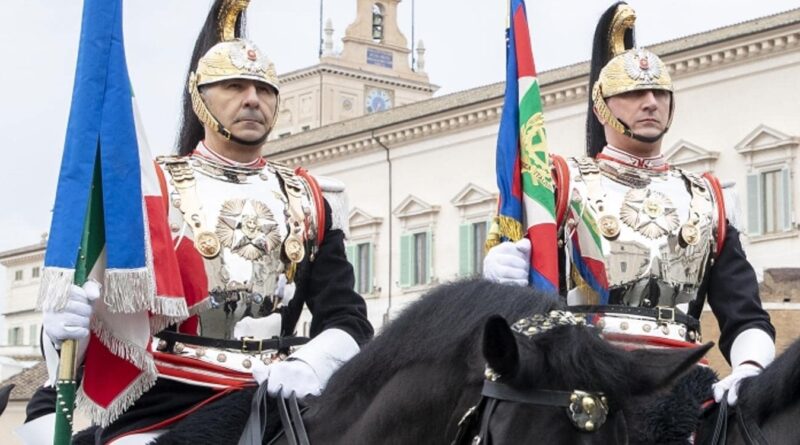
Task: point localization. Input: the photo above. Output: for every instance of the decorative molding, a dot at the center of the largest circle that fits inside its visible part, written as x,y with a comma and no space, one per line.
363,226
767,147
765,138
362,76
483,105
483,116
413,206
474,202
685,153
471,195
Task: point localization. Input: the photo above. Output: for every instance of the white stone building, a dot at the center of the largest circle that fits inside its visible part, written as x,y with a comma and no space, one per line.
421,179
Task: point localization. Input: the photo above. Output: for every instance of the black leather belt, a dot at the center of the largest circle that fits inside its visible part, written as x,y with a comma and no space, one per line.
247,344
660,313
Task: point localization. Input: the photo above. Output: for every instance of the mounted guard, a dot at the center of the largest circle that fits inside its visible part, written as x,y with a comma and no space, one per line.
250,243
644,244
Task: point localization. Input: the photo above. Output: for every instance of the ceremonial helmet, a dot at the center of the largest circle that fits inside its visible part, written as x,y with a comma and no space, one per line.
619,67
230,57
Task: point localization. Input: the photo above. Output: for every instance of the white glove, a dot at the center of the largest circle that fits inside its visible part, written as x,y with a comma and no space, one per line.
306,372
731,383
293,376
508,263
72,322
266,327
752,351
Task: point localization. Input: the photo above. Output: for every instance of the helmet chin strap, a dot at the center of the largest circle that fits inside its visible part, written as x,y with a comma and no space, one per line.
641,138
227,134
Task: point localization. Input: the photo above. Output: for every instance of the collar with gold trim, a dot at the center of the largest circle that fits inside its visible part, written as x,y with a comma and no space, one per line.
610,153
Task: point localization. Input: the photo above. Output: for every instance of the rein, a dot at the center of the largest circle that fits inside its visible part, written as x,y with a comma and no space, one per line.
290,413
747,426
587,411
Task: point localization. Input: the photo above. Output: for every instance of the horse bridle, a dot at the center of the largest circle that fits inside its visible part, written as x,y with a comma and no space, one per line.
587,411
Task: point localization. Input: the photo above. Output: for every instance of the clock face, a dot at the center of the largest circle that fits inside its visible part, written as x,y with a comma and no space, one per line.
377,100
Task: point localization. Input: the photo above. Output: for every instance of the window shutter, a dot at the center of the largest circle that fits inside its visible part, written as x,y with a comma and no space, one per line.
786,207
754,204
406,250
371,259
351,250
464,250
429,255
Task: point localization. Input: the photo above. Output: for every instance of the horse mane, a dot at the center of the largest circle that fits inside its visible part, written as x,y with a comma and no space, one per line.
443,326
776,387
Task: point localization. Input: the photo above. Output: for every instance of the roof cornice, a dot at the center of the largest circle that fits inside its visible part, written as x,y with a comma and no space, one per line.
563,86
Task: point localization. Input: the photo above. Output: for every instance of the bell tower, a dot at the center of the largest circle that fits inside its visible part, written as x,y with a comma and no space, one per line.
374,41
371,73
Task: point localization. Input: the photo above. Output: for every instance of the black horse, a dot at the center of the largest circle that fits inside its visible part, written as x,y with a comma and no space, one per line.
415,381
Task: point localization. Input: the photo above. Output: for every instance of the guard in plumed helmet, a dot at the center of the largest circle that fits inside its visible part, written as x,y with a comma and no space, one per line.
646,244
256,241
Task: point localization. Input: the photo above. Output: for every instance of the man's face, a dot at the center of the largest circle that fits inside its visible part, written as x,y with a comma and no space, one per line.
245,107
646,112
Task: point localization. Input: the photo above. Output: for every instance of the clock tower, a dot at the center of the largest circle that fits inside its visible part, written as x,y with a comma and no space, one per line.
370,74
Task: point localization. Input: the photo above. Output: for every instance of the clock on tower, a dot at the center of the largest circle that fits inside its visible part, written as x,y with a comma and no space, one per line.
377,99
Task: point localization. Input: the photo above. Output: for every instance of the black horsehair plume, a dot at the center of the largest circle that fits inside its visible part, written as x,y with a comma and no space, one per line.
595,135
191,130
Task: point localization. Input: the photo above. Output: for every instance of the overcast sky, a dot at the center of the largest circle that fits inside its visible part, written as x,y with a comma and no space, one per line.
464,41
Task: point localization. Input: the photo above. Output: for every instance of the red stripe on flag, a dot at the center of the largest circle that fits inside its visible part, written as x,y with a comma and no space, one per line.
544,255
106,376
516,185
522,40
165,263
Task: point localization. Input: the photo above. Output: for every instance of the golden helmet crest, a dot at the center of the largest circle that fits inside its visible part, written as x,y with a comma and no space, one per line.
628,70
235,59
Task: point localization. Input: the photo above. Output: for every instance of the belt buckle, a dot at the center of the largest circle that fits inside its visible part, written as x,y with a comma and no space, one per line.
247,339
665,314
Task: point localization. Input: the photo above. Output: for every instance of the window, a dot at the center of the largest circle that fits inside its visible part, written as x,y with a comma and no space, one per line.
15,336
18,275
415,259
377,22
33,335
472,238
35,272
769,208
360,256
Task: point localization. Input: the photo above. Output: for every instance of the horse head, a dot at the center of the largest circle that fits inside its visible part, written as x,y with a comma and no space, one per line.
550,378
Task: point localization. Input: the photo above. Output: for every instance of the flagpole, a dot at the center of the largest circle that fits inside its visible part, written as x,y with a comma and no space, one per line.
67,382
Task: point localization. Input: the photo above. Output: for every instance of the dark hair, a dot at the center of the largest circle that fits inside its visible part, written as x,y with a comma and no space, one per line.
595,135
191,130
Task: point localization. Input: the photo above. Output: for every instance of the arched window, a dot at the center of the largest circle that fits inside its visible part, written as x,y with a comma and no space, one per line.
377,22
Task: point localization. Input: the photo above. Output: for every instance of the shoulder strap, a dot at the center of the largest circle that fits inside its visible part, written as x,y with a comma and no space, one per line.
300,229
318,199
719,201
561,179
206,240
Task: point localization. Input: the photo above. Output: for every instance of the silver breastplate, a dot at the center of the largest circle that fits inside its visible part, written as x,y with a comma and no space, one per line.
643,236
247,227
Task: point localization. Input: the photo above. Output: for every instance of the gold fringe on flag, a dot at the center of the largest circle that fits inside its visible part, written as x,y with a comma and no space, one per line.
503,227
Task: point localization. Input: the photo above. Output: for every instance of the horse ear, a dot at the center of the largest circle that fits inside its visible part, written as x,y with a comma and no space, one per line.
654,368
500,347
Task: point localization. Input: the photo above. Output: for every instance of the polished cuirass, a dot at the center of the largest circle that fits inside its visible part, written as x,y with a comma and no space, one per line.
247,224
636,236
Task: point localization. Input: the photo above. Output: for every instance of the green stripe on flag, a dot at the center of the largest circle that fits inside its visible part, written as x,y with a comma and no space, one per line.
94,237
531,102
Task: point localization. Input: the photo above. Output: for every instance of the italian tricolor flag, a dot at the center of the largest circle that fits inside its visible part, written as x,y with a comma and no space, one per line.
109,224
527,201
